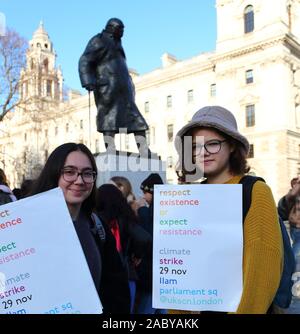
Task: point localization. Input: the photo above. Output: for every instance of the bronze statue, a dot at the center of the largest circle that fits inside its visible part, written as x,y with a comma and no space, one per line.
103,70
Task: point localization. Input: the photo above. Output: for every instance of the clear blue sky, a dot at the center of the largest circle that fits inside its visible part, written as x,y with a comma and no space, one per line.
152,27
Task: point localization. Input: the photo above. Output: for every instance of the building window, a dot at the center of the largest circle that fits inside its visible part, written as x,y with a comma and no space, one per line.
249,76
169,101
153,135
248,19
146,106
24,158
81,124
170,162
251,151
148,137
25,89
67,127
97,146
170,132
25,136
190,96
213,90
46,155
49,84
250,115
289,9
46,65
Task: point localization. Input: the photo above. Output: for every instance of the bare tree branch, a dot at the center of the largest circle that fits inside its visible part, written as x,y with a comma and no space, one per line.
12,60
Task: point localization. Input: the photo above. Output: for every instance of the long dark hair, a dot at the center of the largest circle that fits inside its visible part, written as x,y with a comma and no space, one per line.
112,204
51,172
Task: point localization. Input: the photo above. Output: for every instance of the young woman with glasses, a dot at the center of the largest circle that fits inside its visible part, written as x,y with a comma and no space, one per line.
72,167
219,152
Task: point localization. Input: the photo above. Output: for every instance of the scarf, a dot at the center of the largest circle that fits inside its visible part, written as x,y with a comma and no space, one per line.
115,230
6,190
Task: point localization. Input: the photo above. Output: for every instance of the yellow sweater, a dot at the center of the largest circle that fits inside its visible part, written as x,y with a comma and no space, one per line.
262,253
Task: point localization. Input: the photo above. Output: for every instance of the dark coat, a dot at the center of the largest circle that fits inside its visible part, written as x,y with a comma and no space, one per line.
103,65
4,198
144,270
114,291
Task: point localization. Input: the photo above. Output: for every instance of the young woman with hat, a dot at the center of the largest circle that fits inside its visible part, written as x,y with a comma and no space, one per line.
221,159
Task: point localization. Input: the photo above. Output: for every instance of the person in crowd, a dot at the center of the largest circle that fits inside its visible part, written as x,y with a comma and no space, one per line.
6,195
126,239
125,187
222,160
72,167
26,187
145,214
289,210
17,193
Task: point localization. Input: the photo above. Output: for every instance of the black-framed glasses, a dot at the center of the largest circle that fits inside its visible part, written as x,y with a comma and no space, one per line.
71,175
212,146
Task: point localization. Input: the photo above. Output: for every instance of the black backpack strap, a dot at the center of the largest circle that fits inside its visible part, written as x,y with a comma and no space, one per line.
247,182
99,227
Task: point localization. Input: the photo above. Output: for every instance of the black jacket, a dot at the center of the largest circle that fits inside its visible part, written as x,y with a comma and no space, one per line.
103,65
114,289
4,198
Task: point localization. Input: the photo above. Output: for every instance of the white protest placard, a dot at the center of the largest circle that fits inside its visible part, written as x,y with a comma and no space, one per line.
42,265
198,247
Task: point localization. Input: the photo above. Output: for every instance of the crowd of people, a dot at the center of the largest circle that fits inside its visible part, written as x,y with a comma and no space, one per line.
121,262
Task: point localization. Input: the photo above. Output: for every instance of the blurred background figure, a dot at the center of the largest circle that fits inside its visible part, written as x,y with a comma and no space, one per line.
6,195
127,242
17,193
289,210
125,187
144,208
26,186
25,189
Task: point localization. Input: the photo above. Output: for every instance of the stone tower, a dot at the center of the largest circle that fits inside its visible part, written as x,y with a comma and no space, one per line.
40,78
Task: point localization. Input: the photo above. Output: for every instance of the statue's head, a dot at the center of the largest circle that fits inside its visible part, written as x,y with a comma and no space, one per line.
115,27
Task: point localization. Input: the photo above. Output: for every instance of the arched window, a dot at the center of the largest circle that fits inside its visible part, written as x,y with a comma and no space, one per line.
46,65
248,19
49,88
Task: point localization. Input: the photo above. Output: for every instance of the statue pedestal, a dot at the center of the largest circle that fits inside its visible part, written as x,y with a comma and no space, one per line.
129,165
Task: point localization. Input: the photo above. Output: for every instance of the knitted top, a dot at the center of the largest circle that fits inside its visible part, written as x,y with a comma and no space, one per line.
262,252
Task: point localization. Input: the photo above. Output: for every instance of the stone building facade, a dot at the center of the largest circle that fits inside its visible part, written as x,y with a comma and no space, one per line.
254,72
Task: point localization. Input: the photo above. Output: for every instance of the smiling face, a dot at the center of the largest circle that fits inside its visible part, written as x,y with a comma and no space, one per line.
215,166
77,191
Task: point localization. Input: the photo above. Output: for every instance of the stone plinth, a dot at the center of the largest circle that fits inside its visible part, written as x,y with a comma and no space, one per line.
129,165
